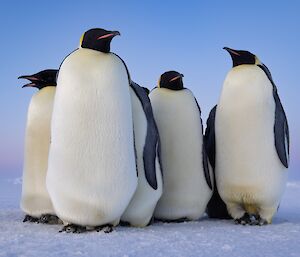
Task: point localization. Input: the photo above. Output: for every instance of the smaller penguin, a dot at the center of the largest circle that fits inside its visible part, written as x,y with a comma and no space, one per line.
141,207
187,179
35,201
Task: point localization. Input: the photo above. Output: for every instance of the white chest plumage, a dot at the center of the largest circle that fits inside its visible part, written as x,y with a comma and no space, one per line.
186,192
35,198
248,169
92,172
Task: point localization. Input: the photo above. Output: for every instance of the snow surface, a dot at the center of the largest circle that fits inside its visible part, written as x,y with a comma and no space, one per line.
205,237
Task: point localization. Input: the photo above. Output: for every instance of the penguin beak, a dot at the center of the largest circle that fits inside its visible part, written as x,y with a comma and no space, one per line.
112,34
29,85
232,52
29,77
177,77
32,79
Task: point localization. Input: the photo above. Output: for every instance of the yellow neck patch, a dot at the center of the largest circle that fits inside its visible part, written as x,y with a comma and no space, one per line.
81,39
257,61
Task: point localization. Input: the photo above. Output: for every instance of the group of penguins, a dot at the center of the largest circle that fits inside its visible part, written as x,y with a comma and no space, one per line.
100,150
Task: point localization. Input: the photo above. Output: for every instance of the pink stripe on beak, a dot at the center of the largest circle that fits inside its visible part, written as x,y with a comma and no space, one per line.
234,52
106,36
177,77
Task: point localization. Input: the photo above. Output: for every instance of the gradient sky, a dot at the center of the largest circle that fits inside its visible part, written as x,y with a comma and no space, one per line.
157,36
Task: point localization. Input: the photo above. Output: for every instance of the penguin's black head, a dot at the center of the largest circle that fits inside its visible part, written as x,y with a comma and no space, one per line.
98,39
171,80
45,78
240,57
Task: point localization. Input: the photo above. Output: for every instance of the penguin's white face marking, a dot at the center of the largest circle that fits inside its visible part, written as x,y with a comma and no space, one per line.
171,80
98,39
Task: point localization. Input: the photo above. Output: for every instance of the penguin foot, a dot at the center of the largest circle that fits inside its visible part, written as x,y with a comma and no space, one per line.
262,222
253,220
246,219
105,228
50,219
30,219
72,228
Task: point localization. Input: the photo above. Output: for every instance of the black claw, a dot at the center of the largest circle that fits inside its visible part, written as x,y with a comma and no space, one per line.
72,228
30,219
49,219
105,228
253,220
262,222
246,219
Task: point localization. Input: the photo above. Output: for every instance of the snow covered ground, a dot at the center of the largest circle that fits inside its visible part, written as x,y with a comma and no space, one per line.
202,238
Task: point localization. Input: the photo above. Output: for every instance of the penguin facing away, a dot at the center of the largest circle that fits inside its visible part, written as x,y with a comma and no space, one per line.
251,141
35,200
141,207
187,179
216,208
92,173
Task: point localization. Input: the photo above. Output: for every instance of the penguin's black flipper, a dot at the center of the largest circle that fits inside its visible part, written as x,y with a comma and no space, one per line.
281,131
281,128
204,155
209,137
152,138
216,208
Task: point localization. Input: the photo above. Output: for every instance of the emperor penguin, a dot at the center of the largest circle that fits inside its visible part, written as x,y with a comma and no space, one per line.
35,200
216,208
251,141
140,210
187,179
92,171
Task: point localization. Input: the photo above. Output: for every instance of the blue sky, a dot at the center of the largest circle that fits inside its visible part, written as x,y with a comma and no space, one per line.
156,36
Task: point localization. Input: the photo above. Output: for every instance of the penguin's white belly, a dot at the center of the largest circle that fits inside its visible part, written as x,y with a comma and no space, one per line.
35,199
186,192
92,172
248,169
141,207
